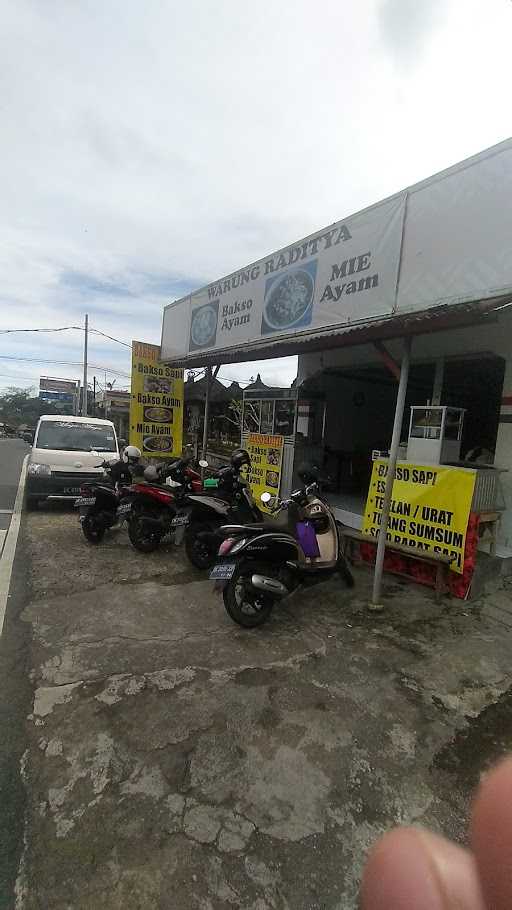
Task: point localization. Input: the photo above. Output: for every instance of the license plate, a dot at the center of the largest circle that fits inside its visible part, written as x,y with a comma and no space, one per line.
85,501
124,508
69,491
179,520
223,571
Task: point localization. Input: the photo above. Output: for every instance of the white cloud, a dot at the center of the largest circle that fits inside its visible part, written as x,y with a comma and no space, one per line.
408,25
150,147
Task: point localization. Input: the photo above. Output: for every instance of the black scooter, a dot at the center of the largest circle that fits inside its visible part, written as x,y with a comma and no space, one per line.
105,503
298,545
232,501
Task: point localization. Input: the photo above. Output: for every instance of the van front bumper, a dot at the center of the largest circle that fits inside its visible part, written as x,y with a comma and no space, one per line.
59,485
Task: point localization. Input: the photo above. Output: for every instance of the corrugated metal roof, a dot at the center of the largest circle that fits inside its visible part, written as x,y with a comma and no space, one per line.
435,319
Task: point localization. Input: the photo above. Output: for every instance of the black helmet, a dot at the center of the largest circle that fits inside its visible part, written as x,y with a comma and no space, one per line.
308,473
240,457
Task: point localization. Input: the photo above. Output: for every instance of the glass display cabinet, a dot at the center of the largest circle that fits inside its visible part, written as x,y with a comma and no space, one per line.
435,433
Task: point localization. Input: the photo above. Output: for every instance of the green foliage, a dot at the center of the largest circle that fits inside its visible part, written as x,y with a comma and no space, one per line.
19,406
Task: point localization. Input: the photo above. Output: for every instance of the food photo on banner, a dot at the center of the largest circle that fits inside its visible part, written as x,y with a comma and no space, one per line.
430,508
156,403
266,454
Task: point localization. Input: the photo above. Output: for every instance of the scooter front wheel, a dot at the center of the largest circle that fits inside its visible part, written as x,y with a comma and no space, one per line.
201,551
246,605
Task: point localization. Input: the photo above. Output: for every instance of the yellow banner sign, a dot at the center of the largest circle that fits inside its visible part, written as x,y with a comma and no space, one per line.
430,508
266,453
156,404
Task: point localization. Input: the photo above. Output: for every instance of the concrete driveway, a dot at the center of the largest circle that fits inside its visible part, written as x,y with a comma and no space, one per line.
177,761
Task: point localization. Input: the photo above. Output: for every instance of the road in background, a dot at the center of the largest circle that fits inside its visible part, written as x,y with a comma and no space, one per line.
15,689
12,453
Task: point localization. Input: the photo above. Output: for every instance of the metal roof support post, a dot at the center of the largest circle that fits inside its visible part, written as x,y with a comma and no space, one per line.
209,382
206,411
438,381
393,453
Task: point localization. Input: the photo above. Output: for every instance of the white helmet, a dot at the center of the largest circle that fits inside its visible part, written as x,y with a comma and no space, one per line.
131,455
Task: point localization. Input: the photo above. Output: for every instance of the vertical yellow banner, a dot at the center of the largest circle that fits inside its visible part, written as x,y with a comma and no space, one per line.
266,454
156,405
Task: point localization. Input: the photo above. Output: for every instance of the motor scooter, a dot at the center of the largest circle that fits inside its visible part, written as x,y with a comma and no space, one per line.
231,501
157,504
104,503
297,545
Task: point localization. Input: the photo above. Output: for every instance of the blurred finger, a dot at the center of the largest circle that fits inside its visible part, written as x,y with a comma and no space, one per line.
491,836
409,869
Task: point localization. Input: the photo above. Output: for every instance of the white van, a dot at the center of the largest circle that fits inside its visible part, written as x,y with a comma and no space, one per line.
66,452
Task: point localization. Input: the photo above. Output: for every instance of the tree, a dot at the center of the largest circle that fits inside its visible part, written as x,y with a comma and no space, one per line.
22,406
235,409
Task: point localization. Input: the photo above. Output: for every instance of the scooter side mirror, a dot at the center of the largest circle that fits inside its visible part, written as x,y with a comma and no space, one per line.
266,497
203,463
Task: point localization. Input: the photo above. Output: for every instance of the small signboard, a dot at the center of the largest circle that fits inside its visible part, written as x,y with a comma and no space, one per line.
266,454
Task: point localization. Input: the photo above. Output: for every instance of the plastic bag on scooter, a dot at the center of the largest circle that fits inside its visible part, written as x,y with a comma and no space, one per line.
307,538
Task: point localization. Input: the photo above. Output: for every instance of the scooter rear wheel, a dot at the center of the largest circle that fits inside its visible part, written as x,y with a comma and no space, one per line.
92,530
140,538
247,606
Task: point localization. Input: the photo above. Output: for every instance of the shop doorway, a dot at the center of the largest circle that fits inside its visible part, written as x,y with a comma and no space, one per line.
359,413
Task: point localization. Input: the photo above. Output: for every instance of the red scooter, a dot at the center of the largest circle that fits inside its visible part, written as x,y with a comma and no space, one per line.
157,505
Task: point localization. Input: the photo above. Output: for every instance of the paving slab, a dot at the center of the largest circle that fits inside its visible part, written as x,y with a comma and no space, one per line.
178,761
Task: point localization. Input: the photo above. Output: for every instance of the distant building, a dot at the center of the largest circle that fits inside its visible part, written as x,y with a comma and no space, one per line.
115,406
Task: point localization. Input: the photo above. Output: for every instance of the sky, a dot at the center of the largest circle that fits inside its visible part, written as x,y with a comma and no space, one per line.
149,148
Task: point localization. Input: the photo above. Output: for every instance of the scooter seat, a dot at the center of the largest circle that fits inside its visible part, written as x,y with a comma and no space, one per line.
281,521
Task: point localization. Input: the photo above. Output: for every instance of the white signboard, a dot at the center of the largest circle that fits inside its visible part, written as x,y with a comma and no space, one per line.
458,237
345,273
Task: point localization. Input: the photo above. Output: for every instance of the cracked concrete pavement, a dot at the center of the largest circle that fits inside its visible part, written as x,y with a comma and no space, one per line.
177,761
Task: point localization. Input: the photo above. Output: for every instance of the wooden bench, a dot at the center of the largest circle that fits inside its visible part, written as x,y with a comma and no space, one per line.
439,560
489,521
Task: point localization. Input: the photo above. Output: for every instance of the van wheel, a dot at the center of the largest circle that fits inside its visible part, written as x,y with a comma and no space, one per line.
32,505
247,606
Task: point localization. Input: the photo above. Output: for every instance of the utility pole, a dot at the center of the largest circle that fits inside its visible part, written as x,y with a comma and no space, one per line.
84,391
94,396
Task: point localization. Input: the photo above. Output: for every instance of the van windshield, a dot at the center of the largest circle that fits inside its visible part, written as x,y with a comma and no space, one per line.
75,437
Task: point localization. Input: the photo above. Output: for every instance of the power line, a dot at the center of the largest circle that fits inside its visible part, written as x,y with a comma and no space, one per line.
24,378
64,328
73,363
111,337
67,328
